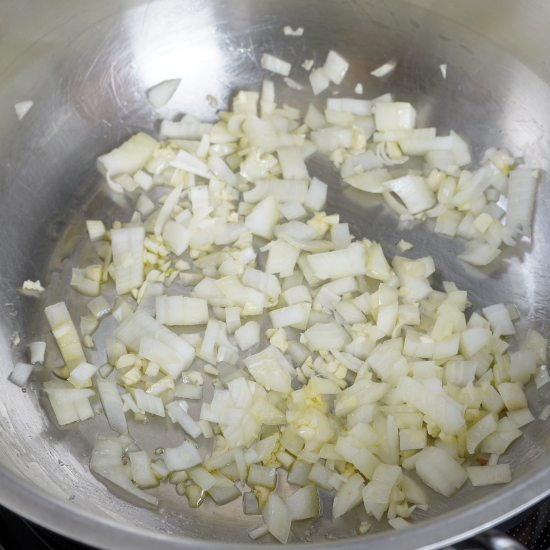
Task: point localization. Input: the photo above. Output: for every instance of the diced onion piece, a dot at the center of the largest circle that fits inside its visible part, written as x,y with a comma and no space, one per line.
522,186
348,496
499,317
441,408
130,157
99,307
440,471
285,191
107,462
316,195
277,517
347,262
545,413
81,284
489,475
258,532
21,374
522,364
112,405
541,377
293,84
538,345
181,458
324,336
127,244
292,163
479,253
513,396
276,65
67,412
188,391
295,315
141,325
350,105
179,413
372,181
177,310
263,218
413,492
144,204
281,258
170,362
142,473
149,403
319,80
473,340
270,369
335,67
65,334
288,31
479,431
158,96
414,192
37,352
204,479
384,69
248,335
65,396
33,285
399,524
304,503
22,108
176,237
96,230
520,417
82,374
394,116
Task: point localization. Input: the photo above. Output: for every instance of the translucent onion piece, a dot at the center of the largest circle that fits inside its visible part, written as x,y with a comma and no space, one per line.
158,96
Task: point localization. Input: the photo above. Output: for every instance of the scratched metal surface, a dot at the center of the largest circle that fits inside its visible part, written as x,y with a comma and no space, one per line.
86,66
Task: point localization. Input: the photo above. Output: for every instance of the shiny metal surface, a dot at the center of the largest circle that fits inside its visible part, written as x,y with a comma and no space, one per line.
86,66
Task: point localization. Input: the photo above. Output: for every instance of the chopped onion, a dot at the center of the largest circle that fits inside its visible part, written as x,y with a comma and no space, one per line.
385,69
489,475
65,334
414,192
158,96
380,360
177,310
22,108
545,413
521,199
96,230
394,116
112,405
335,67
441,472
179,414
290,32
276,65
277,517
258,532
21,374
130,157
319,80
263,218
37,352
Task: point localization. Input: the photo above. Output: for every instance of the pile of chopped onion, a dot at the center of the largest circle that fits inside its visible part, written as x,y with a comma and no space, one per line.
372,386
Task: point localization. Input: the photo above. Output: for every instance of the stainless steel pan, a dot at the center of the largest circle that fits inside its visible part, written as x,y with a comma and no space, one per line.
86,65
